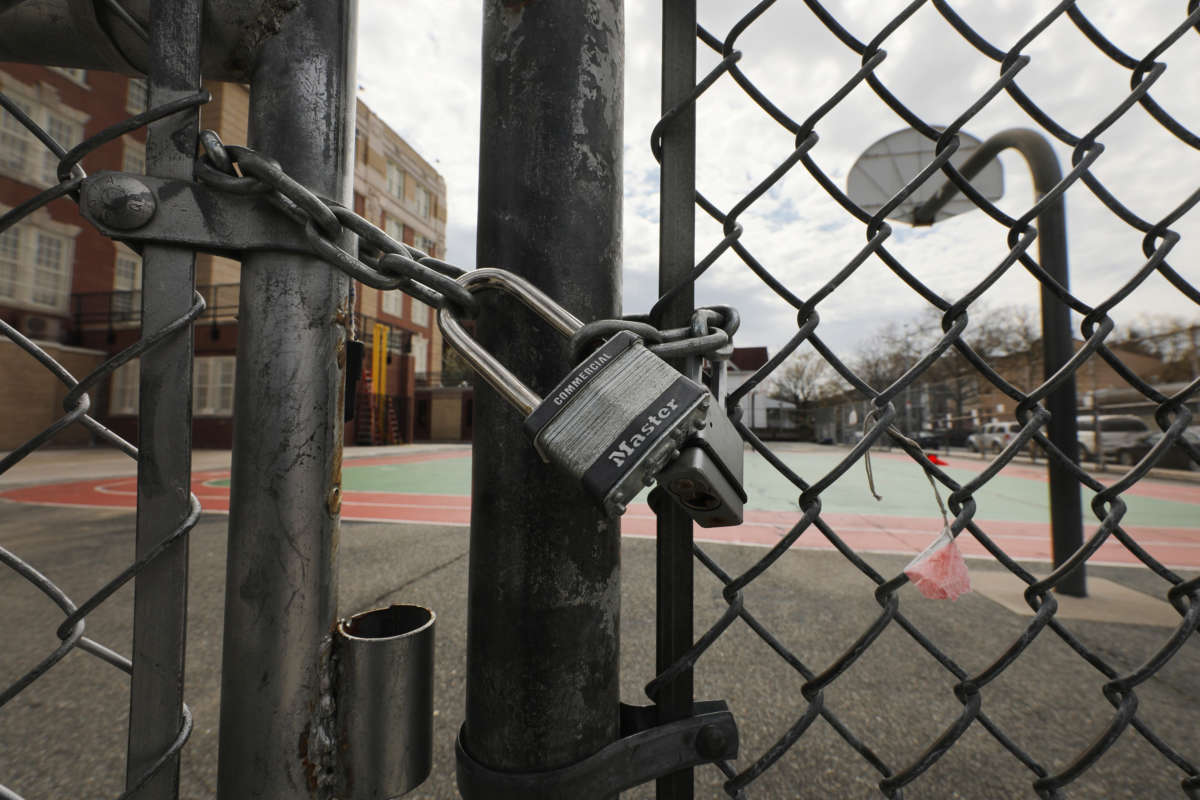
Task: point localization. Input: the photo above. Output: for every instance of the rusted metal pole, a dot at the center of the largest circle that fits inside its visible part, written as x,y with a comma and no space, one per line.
113,36
280,594
544,586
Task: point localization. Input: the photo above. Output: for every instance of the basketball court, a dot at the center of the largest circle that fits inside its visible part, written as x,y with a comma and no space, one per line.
431,485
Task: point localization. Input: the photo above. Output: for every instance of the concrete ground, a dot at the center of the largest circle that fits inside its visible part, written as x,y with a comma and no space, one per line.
64,737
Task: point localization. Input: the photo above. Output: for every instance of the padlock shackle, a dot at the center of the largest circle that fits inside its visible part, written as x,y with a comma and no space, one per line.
496,374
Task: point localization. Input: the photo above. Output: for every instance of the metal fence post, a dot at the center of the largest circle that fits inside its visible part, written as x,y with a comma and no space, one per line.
677,214
164,421
544,589
280,601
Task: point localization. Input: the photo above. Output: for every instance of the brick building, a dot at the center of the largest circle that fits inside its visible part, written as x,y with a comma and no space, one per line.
76,292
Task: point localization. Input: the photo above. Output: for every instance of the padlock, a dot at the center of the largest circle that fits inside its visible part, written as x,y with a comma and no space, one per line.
614,421
706,478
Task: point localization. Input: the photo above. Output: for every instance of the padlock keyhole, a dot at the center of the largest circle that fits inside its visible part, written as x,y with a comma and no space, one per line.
695,494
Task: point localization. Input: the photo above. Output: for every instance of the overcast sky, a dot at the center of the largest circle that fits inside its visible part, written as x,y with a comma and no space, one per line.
418,64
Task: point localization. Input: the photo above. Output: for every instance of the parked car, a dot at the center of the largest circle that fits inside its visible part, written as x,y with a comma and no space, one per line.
955,437
993,437
1117,432
927,439
1175,456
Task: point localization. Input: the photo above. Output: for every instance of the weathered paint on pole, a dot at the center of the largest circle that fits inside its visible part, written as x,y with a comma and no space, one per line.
280,596
544,586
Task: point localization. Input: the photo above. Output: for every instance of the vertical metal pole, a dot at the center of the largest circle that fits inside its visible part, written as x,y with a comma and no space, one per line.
280,594
164,421
1066,516
544,586
677,212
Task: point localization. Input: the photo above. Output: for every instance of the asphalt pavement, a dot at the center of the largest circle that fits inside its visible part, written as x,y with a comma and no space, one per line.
64,737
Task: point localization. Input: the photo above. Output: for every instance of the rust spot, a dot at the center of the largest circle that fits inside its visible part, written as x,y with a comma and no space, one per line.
333,500
257,29
310,769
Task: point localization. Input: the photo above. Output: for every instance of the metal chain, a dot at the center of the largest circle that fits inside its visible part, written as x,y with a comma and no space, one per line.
389,265
386,264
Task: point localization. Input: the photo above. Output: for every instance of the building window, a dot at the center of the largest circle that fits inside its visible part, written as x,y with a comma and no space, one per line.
395,180
360,146
127,283
424,202
76,75
133,159
425,244
10,262
137,96
420,312
394,229
123,389
16,142
67,133
212,386
35,267
420,352
392,303
25,158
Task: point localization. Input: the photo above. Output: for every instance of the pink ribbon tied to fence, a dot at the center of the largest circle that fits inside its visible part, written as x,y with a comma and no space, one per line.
939,571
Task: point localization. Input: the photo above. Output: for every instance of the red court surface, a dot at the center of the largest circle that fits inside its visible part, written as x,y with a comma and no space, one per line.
1026,541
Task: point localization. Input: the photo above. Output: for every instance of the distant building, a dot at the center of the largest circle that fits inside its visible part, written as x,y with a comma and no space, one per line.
766,416
76,292
1024,370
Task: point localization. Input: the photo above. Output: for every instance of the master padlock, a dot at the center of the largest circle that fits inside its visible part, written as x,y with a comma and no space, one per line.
614,421
706,477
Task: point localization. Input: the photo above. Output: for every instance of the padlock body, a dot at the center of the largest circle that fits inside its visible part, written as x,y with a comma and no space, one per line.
706,478
616,419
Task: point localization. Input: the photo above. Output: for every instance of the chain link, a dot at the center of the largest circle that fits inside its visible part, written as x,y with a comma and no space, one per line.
816,696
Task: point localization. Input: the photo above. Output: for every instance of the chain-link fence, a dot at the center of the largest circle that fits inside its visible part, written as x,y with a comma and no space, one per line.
814,707
163,525
816,672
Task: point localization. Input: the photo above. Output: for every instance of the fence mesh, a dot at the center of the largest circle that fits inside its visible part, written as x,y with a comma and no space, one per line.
76,407
898,761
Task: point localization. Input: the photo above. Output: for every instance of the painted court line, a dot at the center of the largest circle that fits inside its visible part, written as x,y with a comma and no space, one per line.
864,532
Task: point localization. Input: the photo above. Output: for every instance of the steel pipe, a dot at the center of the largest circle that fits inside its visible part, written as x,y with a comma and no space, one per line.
111,36
677,257
281,589
164,424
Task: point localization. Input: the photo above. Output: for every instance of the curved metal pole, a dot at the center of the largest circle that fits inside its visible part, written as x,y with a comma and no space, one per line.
1066,516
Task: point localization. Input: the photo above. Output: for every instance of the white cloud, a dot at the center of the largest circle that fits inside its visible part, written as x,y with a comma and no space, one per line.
419,62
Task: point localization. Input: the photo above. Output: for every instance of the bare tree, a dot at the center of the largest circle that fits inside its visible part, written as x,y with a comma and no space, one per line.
804,379
1173,340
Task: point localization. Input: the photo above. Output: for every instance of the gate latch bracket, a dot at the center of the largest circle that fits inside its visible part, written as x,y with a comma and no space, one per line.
145,209
644,752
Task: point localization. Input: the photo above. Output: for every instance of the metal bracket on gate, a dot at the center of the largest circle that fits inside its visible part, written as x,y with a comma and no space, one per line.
142,208
644,752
